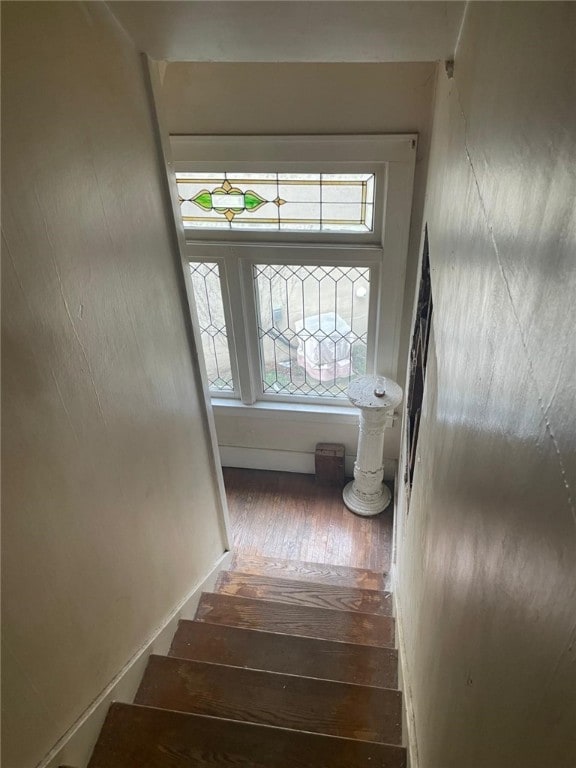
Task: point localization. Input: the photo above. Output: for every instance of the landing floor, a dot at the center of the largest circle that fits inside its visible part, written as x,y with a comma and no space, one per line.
286,515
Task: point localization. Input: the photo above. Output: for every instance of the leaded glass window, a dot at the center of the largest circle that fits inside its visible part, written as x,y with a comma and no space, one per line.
312,327
212,323
298,276
291,202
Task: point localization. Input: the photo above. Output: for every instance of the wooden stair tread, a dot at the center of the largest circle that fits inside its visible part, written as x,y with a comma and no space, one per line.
310,593
318,572
141,737
288,701
321,623
290,654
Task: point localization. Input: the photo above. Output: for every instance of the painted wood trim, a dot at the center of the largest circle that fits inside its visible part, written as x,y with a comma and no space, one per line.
286,461
409,739
279,410
395,241
358,148
174,223
285,252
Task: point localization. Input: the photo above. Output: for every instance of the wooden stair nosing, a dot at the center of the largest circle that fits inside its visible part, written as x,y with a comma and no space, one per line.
310,593
289,654
320,573
321,623
288,701
141,736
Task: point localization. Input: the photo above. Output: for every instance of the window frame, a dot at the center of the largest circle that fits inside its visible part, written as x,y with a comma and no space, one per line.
383,250
269,234
235,268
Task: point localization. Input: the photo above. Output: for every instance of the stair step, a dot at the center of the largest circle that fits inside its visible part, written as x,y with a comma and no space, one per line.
321,623
345,662
140,737
305,593
318,572
287,701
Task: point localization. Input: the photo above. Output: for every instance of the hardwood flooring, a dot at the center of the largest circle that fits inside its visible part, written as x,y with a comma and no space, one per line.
270,698
290,654
317,573
274,671
286,515
301,593
140,737
283,618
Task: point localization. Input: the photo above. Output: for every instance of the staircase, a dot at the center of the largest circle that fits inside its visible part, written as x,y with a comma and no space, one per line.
286,665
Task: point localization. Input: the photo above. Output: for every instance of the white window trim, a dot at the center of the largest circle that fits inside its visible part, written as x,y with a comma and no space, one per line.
235,267
392,157
336,413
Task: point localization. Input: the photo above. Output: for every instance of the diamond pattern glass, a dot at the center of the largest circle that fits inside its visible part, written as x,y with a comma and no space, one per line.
212,322
312,327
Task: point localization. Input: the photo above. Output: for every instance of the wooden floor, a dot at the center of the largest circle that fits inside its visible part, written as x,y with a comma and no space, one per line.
286,515
286,664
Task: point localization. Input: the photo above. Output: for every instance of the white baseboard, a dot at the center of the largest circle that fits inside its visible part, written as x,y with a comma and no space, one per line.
75,747
408,715
286,461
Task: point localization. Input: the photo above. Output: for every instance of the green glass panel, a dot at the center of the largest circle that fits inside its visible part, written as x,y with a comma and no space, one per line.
204,200
253,201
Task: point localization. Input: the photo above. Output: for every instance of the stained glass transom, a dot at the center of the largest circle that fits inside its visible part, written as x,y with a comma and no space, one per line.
312,327
293,202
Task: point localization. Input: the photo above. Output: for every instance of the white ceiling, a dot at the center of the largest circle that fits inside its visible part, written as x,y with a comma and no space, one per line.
292,30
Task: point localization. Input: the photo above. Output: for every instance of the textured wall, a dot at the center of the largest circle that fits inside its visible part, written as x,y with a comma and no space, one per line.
487,560
109,505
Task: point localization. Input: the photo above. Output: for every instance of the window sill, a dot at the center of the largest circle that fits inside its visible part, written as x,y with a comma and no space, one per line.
282,411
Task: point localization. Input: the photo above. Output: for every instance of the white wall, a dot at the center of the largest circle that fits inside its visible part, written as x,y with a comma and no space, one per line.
110,507
486,562
309,30
250,98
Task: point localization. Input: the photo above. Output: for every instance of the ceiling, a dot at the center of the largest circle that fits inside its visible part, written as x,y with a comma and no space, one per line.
292,30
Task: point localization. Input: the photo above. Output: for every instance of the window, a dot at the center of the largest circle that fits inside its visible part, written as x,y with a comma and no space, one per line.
312,327
296,265
283,202
212,325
